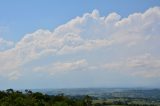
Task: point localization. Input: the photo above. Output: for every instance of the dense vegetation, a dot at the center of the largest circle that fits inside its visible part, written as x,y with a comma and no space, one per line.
29,98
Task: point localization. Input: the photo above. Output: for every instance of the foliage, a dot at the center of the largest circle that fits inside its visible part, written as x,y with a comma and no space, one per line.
28,98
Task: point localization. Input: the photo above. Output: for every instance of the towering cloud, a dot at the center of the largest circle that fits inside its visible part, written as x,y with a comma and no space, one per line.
88,33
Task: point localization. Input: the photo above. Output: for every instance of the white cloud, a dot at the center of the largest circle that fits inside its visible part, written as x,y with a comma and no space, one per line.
63,67
145,65
87,46
14,75
4,44
91,31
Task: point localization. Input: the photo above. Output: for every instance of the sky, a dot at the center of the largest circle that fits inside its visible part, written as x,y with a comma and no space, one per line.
79,43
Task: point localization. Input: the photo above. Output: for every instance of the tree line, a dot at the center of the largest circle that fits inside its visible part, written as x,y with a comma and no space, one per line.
10,97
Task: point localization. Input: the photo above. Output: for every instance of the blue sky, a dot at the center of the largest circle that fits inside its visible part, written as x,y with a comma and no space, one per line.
21,17
79,43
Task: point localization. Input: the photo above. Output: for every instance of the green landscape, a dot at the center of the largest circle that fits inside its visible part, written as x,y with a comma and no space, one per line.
12,97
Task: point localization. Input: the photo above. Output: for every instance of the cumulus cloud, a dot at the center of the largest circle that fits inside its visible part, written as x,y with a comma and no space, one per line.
87,33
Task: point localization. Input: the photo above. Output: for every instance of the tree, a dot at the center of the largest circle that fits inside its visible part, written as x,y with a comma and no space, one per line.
87,101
